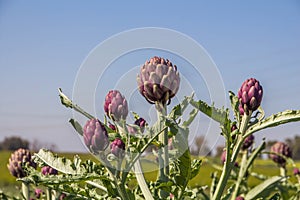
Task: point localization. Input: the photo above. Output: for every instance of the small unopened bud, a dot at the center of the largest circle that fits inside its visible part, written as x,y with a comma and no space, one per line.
95,136
115,106
117,148
38,192
47,170
283,149
248,142
296,171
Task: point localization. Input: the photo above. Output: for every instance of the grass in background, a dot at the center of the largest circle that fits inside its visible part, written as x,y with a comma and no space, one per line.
9,184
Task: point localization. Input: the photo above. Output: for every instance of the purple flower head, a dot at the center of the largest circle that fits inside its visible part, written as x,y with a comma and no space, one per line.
115,105
239,198
248,142
117,148
283,149
158,80
47,170
18,160
250,95
95,136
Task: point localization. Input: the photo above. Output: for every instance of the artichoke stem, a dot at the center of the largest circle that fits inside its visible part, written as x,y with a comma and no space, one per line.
163,152
26,190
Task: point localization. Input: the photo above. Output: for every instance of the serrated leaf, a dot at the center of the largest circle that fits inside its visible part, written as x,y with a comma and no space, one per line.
191,118
268,184
59,163
196,164
276,196
219,115
177,110
234,101
228,193
275,120
184,166
214,182
76,126
254,155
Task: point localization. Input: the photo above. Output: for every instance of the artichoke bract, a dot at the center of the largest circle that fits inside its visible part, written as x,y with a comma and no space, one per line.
95,136
18,160
115,105
47,170
158,80
248,142
250,95
117,148
283,149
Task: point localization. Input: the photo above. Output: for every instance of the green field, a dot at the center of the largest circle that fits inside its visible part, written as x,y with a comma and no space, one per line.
267,167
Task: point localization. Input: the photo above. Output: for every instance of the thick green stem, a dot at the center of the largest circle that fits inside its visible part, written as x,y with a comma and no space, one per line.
48,194
225,174
241,175
229,164
163,152
26,190
141,181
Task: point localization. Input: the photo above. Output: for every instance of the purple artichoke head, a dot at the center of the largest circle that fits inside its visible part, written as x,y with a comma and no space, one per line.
248,142
117,148
250,96
115,105
47,170
95,136
283,149
158,80
18,160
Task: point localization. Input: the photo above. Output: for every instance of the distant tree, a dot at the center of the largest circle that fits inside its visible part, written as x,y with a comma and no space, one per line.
219,151
199,147
295,146
36,145
13,143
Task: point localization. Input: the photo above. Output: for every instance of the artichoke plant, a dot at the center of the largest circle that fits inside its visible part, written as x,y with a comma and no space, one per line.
282,149
117,148
158,80
18,160
95,136
250,95
115,106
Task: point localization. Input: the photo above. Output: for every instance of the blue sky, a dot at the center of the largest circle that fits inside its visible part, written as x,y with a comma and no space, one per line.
43,44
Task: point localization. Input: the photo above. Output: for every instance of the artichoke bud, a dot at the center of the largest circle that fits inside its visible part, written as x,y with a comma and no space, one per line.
158,80
95,136
250,95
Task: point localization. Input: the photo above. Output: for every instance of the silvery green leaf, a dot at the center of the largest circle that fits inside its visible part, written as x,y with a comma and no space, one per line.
259,190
